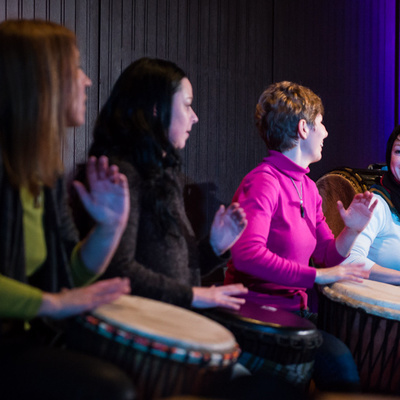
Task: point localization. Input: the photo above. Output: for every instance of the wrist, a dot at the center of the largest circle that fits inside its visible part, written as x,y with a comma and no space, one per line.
215,248
49,306
351,231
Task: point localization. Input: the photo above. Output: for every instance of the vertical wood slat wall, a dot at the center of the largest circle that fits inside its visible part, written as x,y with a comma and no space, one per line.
345,51
231,50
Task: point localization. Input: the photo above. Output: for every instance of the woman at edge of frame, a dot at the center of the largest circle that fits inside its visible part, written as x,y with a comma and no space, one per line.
374,247
42,262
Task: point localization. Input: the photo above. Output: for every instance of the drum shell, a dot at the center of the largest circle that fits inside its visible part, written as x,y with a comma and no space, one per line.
159,367
282,347
372,339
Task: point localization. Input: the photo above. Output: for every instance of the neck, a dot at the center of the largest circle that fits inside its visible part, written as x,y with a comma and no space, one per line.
297,157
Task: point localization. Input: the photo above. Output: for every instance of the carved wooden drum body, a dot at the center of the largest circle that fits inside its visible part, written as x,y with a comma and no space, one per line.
366,317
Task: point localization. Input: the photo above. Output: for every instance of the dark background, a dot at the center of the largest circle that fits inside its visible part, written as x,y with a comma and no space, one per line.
344,50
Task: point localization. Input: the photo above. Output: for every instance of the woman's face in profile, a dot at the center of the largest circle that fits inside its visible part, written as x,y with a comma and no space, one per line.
77,109
182,115
395,159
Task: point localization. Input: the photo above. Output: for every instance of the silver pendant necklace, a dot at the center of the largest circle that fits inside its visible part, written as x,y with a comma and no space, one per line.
300,194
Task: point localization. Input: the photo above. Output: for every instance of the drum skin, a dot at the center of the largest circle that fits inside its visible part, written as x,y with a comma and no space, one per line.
167,350
343,184
366,317
285,341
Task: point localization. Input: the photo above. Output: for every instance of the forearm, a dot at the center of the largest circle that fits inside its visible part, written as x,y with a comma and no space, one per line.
99,247
345,241
18,300
385,275
260,262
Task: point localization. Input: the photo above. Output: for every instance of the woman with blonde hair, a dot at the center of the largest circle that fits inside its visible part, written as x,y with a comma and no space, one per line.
42,263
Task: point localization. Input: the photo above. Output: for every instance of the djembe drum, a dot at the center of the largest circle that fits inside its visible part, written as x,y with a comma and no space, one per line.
167,350
286,342
343,184
366,317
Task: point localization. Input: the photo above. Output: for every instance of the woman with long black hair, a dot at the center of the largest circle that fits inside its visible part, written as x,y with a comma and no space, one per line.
141,128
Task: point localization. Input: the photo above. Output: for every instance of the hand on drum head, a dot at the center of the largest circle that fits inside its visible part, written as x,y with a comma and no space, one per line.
219,296
108,199
70,302
359,212
227,227
350,272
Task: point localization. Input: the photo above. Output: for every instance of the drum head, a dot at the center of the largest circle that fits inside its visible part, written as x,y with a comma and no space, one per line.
375,298
166,323
263,318
343,184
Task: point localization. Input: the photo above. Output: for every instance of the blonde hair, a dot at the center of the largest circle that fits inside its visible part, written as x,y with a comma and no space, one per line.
280,108
36,78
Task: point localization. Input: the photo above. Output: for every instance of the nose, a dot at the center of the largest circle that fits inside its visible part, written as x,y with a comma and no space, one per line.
88,81
195,118
84,79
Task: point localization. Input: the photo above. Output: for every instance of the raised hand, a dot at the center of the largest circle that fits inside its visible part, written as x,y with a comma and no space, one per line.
359,213
107,200
70,302
219,296
227,227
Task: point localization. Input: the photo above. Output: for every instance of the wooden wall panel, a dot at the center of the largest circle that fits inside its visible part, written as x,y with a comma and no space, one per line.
345,52
209,39
231,50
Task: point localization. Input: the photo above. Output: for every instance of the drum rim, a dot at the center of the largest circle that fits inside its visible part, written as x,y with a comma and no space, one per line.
227,346
160,349
369,308
259,326
352,175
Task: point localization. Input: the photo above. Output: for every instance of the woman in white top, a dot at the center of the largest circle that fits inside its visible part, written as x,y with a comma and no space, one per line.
378,246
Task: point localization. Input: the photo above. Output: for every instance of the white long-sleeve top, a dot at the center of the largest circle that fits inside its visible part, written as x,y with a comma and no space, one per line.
379,243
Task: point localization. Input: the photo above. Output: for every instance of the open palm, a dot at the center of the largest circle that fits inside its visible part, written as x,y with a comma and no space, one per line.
107,200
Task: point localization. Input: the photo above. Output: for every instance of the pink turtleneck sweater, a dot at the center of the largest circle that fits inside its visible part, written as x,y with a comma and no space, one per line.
272,256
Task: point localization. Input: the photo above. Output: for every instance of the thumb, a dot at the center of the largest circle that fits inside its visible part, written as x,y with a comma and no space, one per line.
340,208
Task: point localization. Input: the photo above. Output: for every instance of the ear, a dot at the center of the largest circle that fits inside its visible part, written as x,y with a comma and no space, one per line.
303,129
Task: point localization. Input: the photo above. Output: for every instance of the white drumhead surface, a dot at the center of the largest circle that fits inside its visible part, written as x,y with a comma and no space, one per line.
375,297
167,323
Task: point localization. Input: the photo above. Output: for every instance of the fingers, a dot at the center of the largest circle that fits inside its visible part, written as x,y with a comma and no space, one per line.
374,204
102,167
102,292
237,214
224,296
97,170
120,285
219,214
233,289
230,305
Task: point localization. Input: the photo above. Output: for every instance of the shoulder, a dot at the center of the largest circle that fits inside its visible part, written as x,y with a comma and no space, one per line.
310,185
382,208
261,185
264,175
